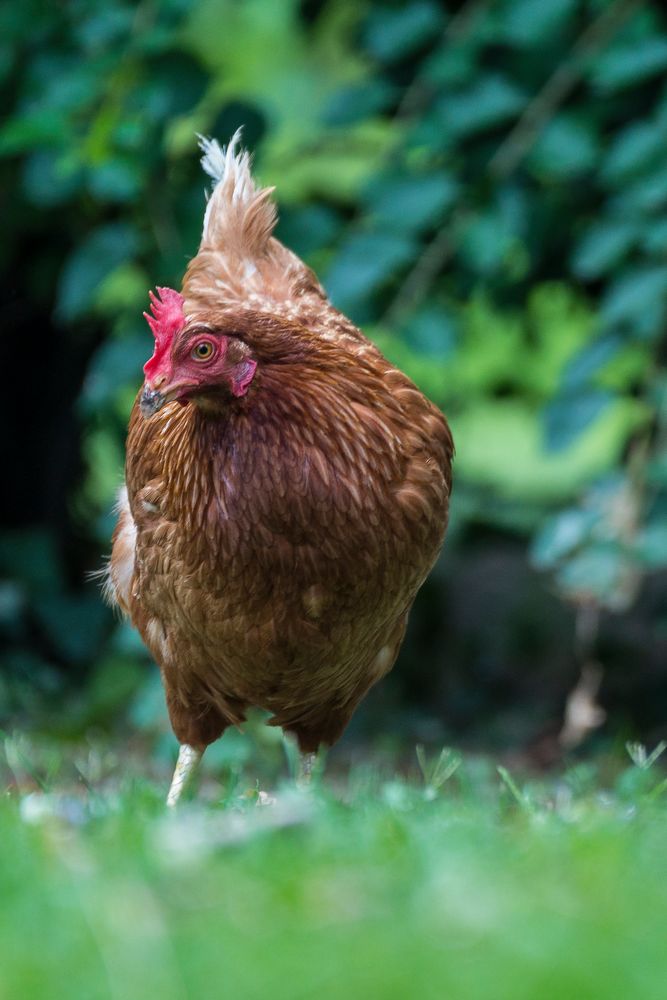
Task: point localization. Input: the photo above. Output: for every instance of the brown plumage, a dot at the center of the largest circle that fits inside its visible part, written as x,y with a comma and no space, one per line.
277,525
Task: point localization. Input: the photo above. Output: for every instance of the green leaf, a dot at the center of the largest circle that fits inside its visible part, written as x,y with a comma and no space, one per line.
394,33
491,102
567,416
597,572
89,264
116,679
603,246
514,207
654,239
431,331
485,244
646,195
651,545
105,27
8,57
364,262
123,291
560,536
308,228
68,85
527,23
410,203
450,65
358,101
50,178
74,625
638,299
103,453
31,131
566,147
656,470
175,83
32,557
115,180
634,148
630,65
590,359
336,168
115,364
500,447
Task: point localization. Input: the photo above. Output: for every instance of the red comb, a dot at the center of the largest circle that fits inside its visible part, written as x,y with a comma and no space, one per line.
167,319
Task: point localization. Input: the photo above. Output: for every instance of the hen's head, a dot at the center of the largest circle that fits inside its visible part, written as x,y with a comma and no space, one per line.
241,279
190,362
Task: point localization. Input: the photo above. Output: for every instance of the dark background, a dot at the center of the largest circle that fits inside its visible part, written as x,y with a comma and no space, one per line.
482,187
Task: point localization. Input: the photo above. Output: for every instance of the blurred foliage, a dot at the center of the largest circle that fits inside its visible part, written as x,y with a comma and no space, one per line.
482,186
462,881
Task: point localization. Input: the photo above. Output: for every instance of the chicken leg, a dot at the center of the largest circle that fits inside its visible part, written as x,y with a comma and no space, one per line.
307,762
186,765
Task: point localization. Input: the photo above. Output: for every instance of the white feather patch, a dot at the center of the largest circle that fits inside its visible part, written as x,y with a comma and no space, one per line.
117,574
229,166
221,162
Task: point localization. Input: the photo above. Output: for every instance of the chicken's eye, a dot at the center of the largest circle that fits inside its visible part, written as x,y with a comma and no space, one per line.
203,350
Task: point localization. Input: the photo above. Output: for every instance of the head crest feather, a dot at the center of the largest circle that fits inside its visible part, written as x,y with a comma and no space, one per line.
240,264
240,216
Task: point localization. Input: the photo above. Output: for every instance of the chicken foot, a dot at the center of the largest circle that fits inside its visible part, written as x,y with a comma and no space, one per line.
186,765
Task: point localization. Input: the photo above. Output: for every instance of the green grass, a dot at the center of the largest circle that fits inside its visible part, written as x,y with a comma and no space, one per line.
464,884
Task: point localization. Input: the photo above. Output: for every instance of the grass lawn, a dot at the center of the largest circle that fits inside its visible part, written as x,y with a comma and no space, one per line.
465,883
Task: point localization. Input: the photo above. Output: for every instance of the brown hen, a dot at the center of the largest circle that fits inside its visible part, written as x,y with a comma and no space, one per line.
287,489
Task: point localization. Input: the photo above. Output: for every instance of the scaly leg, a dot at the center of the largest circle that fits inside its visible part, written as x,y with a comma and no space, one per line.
302,763
186,765
306,764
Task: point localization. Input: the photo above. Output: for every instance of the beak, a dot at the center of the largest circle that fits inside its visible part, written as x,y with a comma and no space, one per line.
151,401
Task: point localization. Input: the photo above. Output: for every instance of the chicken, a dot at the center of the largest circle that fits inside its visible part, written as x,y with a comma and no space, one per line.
286,492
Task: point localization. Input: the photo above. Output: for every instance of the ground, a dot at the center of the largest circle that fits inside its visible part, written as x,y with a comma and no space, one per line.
454,880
